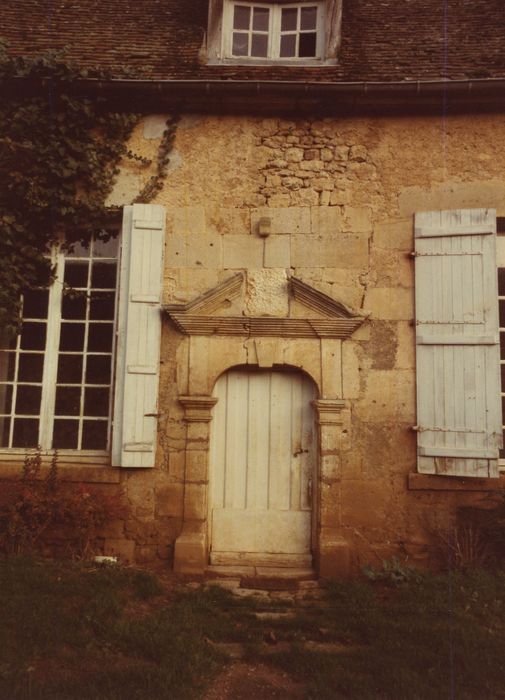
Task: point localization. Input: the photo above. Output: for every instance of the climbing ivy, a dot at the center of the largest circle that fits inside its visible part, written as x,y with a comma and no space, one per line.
59,156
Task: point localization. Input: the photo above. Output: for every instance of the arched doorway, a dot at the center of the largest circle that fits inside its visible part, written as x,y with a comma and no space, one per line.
262,468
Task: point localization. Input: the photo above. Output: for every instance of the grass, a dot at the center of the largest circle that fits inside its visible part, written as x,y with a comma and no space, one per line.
71,632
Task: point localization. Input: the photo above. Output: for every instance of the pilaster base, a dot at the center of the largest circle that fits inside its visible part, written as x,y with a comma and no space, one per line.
190,554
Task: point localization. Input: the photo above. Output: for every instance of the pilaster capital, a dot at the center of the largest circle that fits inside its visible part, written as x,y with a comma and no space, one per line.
329,411
198,409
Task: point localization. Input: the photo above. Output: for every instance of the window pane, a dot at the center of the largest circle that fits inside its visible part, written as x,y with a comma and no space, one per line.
78,250
259,45
98,369
28,400
26,432
502,368
33,336
100,337
501,281
96,402
102,306
307,47
106,249
74,306
76,273
240,44
72,336
35,303
7,366
66,434
502,346
308,19
94,435
103,275
31,366
289,19
501,304
68,401
5,398
69,369
260,19
503,405
288,46
5,427
241,17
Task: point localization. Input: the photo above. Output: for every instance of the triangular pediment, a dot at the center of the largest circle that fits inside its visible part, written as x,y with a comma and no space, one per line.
196,317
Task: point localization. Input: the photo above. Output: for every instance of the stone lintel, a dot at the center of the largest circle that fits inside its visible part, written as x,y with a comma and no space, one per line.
198,409
328,411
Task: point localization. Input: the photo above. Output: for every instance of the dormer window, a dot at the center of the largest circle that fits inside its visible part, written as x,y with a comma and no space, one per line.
290,32
281,32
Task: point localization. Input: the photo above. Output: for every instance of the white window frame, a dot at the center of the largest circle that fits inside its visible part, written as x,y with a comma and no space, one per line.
274,34
50,368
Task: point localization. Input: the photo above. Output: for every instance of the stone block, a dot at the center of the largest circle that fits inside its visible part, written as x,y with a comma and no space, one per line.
294,155
306,197
126,188
175,251
190,554
113,529
169,500
195,501
278,251
204,251
284,219
358,153
406,352
331,362
228,220
326,221
154,126
339,197
351,374
396,304
196,465
242,252
357,219
334,556
365,503
452,195
395,235
312,165
186,220
329,251
267,292
120,547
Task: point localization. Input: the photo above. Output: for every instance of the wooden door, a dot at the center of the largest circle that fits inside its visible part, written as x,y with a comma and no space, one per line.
262,465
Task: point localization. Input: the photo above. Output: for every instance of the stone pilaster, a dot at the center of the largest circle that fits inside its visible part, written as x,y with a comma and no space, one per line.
333,551
191,547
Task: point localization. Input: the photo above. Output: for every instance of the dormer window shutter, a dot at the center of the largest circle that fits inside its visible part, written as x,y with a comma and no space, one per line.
457,343
139,334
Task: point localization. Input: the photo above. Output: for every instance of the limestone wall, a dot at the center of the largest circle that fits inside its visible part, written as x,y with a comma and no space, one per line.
341,194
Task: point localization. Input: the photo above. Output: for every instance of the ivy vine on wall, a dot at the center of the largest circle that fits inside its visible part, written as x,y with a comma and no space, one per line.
59,157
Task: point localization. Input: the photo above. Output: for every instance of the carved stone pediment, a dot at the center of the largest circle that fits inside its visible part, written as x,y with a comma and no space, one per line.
196,317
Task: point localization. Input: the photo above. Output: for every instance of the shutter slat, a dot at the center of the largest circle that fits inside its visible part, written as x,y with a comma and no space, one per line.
139,333
458,380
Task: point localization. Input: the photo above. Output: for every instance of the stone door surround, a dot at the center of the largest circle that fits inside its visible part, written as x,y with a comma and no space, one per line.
215,344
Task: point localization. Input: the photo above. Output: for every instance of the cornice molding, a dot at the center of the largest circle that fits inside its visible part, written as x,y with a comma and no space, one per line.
194,317
328,411
198,409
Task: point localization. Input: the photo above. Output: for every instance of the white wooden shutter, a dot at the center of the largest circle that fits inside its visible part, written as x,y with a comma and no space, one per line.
139,332
458,360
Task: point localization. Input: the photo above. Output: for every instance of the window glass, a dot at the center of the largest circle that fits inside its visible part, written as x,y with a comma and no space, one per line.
261,18
259,46
241,17
307,46
289,22
308,18
288,46
71,370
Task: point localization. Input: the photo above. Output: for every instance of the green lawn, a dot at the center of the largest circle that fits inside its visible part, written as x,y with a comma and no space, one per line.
68,631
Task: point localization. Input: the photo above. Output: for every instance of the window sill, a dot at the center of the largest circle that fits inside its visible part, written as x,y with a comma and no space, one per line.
92,473
273,62
435,482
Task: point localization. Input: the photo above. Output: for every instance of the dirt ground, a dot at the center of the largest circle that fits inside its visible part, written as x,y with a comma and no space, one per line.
244,681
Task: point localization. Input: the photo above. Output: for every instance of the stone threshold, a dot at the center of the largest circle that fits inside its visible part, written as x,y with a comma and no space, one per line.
262,578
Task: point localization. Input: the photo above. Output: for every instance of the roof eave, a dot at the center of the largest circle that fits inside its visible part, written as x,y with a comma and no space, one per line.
269,96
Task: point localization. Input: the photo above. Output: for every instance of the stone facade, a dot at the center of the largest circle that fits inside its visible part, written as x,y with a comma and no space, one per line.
339,196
